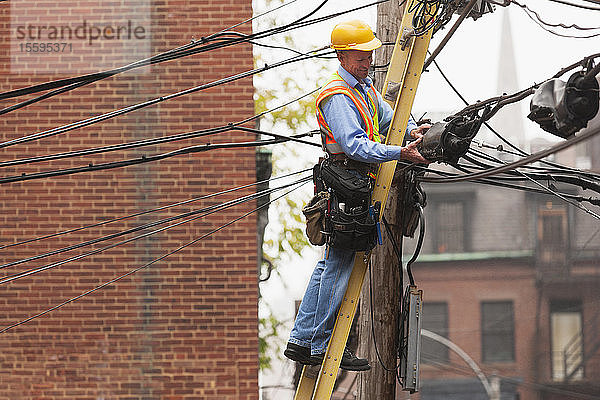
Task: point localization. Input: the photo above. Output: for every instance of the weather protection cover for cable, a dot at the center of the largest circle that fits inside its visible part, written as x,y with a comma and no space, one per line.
448,141
564,108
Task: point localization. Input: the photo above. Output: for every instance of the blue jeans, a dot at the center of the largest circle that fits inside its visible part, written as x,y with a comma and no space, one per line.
322,300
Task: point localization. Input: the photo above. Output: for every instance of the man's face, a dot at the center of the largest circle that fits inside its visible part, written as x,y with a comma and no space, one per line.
356,62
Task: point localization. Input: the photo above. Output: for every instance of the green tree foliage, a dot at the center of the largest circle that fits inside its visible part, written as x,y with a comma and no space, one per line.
285,240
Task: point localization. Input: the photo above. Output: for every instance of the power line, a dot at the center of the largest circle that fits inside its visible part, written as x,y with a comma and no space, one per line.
160,140
148,142
547,170
493,180
550,190
122,111
64,85
152,210
133,271
194,215
152,158
576,5
498,135
497,182
535,17
453,29
168,55
526,160
559,25
539,173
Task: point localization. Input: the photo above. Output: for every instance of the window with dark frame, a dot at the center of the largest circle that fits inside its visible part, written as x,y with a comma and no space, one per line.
435,319
497,331
552,237
450,232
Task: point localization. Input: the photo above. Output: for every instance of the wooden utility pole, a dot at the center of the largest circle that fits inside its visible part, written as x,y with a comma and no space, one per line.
379,384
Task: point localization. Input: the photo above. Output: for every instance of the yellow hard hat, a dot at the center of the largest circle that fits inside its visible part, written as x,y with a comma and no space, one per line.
354,35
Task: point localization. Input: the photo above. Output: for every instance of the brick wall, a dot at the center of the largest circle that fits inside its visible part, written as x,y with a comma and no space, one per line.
183,328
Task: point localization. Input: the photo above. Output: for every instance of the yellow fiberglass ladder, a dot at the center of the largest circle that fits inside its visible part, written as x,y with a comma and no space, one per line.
404,72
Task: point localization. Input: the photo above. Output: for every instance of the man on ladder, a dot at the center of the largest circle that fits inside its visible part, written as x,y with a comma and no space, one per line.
351,114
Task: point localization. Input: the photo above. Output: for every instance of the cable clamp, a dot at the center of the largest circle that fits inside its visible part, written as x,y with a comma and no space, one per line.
407,33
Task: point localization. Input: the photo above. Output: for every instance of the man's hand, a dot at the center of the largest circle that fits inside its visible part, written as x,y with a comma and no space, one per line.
411,153
419,131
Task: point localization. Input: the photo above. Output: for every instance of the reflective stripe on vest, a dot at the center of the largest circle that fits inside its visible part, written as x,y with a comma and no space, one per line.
337,85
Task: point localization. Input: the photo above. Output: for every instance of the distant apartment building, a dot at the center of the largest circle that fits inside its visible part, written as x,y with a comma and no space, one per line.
513,279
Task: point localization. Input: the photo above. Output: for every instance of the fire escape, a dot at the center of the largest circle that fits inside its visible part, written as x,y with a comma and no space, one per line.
570,331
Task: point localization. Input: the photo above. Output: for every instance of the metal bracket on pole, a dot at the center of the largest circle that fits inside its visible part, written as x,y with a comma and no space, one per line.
410,339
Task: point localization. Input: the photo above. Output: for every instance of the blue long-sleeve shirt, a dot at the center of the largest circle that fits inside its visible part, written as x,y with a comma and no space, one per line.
348,127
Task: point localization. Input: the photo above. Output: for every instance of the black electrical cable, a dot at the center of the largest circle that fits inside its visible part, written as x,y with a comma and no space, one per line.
498,135
419,244
226,205
148,142
576,5
133,271
543,176
502,182
379,358
164,139
494,181
122,111
270,46
139,213
202,212
453,29
145,159
552,170
499,101
164,56
543,24
582,63
284,4
589,185
559,25
179,52
557,176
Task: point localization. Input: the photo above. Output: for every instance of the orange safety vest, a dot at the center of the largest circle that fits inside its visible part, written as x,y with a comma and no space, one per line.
337,85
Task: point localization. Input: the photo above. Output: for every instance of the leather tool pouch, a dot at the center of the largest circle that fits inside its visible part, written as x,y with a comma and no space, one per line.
315,213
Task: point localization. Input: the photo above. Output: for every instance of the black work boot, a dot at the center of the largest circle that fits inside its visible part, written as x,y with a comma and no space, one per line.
349,361
298,353
352,363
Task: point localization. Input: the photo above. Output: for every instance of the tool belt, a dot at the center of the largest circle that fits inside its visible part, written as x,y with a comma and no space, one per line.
348,221
350,164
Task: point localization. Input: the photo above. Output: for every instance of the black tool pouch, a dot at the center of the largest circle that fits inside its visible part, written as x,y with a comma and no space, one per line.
350,187
350,228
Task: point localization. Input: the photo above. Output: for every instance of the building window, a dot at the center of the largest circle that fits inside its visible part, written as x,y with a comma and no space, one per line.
552,234
566,340
435,319
497,331
450,227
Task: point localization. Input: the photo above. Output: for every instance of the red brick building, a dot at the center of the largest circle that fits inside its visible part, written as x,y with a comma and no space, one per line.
512,279
186,326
